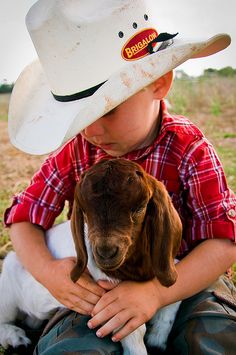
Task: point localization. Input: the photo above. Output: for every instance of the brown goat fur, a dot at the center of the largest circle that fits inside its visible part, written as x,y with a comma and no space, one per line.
133,227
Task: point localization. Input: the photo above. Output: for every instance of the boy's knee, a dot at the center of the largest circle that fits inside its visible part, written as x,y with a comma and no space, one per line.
206,322
204,335
72,335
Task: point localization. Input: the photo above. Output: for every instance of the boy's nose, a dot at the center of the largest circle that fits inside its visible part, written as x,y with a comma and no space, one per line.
94,129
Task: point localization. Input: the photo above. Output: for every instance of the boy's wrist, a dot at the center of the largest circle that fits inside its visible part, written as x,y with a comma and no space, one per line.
165,297
42,271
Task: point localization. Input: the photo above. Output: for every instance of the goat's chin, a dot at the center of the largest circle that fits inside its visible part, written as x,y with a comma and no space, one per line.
109,264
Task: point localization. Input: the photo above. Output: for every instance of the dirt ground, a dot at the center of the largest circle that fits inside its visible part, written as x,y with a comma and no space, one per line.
15,166
16,169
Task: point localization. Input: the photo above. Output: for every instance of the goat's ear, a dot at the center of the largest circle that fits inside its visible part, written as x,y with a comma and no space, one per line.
77,227
164,231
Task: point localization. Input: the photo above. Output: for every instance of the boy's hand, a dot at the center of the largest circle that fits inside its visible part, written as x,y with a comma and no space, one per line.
81,296
127,306
54,274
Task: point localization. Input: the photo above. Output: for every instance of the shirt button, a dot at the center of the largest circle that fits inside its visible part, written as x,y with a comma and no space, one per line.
232,213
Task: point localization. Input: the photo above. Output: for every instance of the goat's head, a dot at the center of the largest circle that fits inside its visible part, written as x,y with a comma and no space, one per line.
127,212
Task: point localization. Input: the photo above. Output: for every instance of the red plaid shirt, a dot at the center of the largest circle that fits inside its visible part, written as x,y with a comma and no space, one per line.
180,157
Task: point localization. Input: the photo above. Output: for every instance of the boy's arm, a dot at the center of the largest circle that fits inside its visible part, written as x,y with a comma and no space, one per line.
133,303
29,244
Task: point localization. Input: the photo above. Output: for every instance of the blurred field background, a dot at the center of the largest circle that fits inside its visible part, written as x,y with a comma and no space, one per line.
208,100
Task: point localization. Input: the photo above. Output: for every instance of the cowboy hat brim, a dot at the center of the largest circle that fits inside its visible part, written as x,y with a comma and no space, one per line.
39,124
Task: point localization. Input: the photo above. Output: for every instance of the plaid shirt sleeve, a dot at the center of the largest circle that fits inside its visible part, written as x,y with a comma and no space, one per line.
43,200
210,210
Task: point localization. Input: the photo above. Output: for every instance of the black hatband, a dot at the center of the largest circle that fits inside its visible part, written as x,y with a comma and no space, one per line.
78,95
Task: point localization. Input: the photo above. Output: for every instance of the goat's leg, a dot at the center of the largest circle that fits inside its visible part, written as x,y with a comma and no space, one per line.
160,326
9,333
21,294
134,344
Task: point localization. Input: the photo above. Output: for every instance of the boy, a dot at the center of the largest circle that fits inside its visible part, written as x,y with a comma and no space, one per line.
108,69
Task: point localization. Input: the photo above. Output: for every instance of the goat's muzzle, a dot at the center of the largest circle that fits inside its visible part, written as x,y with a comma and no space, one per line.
110,256
106,253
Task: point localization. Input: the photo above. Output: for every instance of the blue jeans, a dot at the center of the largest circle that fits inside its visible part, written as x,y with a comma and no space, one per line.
205,325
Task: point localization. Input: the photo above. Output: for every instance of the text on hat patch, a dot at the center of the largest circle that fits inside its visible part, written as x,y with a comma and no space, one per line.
136,46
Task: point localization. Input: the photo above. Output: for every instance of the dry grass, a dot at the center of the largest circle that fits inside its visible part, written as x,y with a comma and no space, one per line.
210,103
214,95
4,102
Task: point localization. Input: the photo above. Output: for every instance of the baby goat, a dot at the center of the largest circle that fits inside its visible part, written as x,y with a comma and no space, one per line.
124,227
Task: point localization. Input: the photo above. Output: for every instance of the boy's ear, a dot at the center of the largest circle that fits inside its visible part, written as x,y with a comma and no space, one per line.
162,85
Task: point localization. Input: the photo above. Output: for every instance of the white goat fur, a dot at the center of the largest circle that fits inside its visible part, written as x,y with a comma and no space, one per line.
21,293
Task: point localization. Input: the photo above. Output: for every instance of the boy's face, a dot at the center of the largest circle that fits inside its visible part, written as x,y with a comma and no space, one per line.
130,126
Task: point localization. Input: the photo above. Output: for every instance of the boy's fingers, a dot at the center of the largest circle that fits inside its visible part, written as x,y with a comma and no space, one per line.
121,321
103,316
85,294
107,285
128,328
71,258
79,307
109,299
89,284
82,307
78,304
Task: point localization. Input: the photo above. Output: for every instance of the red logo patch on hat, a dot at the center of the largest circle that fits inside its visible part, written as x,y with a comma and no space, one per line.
136,46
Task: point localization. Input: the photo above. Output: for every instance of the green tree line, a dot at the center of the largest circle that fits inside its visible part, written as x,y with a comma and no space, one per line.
6,88
226,72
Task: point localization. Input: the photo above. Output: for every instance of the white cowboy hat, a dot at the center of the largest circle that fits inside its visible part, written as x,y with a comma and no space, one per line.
93,55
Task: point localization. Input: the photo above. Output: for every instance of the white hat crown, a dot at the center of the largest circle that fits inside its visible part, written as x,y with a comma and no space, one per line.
80,42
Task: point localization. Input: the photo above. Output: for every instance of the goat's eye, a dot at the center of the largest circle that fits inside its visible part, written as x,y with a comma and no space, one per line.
137,210
130,180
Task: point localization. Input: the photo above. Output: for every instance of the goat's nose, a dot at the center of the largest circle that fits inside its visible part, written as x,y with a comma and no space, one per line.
107,252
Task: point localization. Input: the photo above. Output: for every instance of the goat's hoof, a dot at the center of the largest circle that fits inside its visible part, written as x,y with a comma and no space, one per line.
10,335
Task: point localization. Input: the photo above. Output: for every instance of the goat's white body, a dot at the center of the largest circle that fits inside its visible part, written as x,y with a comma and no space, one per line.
21,293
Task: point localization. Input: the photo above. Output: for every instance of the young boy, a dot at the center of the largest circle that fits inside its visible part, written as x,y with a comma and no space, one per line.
108,70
